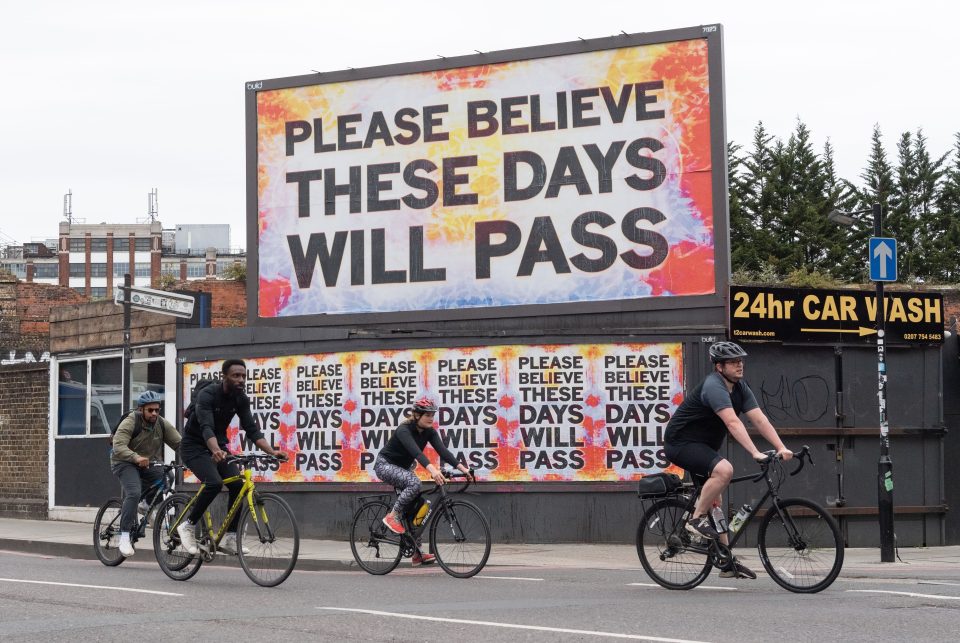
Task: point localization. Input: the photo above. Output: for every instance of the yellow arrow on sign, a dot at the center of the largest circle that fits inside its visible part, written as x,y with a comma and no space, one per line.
861,331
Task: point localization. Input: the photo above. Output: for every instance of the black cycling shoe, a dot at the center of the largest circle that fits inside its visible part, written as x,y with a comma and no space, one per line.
701,527
739,570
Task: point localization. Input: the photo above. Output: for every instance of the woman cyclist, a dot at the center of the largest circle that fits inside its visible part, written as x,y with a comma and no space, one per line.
397,459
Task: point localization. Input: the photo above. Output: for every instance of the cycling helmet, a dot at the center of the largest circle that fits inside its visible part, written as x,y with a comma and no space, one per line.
424,405
149,397
722,351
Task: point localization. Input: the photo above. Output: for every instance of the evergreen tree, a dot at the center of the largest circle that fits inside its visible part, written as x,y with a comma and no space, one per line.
878,188
757,249
842,196
929,226
941,234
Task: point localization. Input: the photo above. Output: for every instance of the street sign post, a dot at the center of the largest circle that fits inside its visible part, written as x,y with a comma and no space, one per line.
156,301
883,259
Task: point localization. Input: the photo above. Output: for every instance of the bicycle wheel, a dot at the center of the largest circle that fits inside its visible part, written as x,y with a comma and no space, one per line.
665,547
460,538
800,546
375,548
173,559
268,540
106,533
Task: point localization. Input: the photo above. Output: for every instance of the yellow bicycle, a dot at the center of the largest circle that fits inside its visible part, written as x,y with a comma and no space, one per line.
268,538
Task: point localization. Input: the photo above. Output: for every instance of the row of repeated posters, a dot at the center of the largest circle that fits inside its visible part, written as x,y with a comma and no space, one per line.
514,413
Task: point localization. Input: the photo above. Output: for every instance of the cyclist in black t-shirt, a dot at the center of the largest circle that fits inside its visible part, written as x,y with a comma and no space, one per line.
396,460
696,432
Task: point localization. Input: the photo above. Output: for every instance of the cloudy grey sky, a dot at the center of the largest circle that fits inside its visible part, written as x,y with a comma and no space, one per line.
111,99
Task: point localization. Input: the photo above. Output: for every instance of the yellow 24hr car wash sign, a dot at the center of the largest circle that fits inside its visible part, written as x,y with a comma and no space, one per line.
835,316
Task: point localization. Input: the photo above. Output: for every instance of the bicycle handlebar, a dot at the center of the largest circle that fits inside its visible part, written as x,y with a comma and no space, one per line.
772,456
166,467
247,459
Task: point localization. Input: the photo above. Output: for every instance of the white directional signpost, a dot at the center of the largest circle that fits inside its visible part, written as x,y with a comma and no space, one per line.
156,301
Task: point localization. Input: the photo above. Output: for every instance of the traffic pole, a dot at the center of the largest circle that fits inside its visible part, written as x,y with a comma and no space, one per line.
125,395
885,464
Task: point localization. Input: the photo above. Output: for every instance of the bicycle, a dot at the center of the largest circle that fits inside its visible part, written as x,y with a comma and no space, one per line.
459,533
106,526
799,543
268,538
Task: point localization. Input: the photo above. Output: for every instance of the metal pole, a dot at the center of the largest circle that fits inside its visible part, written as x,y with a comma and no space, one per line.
125,395
885,464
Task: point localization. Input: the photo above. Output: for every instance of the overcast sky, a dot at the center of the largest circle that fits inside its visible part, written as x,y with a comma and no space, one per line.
112,99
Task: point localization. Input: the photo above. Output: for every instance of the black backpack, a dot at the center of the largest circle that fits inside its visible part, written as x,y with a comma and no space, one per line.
137,424
199,386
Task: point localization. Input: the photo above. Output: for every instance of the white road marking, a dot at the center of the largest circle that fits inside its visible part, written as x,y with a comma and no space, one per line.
116,589
913,594
726,589
508,578
539,628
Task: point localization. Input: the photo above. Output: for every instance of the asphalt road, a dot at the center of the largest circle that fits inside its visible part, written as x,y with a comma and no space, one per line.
59,599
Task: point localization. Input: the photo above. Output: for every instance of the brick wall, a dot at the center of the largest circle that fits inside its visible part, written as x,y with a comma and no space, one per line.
24,411
25,312
229,300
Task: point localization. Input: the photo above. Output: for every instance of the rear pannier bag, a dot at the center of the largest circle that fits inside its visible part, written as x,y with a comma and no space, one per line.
658,484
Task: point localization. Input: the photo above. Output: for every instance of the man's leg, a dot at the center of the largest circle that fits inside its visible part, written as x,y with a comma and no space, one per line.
713,488
130,481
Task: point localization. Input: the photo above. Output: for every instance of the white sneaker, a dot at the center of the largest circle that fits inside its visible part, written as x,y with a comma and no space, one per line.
187,539
229,544
143,507
126,547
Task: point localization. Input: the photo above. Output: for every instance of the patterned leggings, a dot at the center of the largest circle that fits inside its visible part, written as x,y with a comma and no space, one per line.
405,481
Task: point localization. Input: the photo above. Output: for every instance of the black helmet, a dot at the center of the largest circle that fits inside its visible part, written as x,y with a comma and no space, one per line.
722,351
424,405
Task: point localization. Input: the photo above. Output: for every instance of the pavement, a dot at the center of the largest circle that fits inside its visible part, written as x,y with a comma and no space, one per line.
75,540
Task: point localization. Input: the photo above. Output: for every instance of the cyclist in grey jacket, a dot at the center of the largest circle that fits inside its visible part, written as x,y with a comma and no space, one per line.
131,456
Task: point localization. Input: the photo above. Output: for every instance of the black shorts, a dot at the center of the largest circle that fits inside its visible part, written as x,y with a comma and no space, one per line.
696,457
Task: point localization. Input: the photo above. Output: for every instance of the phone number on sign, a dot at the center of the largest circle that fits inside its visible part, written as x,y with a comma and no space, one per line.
923,336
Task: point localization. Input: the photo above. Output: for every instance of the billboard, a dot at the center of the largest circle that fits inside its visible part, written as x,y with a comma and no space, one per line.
517,413
587,176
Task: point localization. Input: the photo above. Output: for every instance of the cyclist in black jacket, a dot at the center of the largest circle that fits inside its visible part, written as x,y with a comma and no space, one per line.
397,459
204,447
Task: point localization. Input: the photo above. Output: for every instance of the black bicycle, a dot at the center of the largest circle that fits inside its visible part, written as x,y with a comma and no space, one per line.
799,542
459,533
106,526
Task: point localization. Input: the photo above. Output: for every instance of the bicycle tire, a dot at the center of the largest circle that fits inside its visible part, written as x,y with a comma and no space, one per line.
375,548
171,556
106,533
665,547
268,541
803,553
460,538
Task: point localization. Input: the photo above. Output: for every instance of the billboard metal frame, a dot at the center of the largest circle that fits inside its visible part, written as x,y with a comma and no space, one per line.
712,34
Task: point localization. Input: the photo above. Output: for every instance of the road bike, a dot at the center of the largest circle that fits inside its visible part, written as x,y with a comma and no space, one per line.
106,526
458,531
800,544
268,538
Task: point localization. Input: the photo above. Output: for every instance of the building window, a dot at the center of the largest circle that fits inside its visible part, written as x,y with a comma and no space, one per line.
98,270
98,244
81,289
141,269
98,293
121,268
89,406
195,270
46,270
121,245
78,245
78,270
172,269
18,270
144,244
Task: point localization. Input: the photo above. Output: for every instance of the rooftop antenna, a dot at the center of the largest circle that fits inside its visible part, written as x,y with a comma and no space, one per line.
152,207
68,209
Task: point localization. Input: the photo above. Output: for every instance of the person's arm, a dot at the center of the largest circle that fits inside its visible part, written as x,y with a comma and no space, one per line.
247,422
739,431
264,446
170,435
759,419
121,442
445,454
203,411
405,434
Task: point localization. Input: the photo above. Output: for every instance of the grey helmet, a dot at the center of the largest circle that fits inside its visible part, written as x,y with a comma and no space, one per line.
149,397
722,351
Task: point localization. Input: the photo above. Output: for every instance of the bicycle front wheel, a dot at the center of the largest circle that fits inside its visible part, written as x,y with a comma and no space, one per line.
665,547
460,539
106,533
375,548
173,559
268,540
800,546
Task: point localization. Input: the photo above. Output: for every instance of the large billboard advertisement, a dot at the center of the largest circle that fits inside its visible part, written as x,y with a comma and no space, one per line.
518,413
584,173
